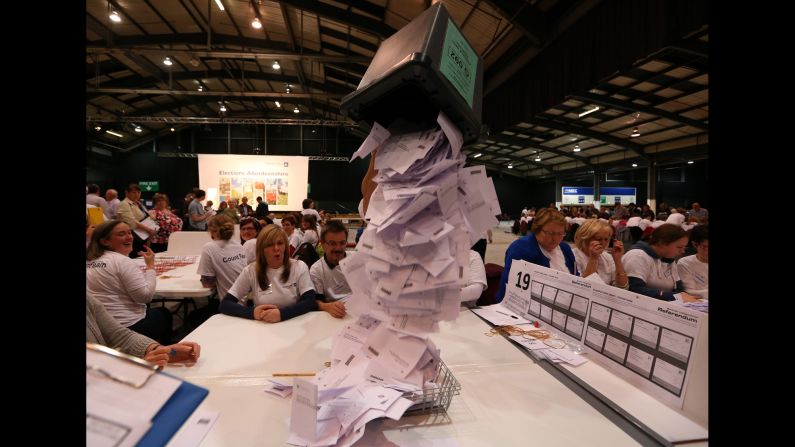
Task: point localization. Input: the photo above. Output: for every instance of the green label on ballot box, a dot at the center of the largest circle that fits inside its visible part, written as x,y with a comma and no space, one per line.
459,62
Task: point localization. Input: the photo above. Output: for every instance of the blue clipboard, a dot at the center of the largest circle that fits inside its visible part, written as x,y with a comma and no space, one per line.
173,414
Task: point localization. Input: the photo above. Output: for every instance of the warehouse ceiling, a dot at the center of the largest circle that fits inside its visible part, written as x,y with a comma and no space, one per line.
307,55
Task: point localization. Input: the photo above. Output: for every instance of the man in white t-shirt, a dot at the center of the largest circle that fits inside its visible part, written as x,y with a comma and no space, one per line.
330,283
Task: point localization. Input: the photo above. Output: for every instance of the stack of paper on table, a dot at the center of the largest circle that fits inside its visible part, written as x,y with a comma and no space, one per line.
407,273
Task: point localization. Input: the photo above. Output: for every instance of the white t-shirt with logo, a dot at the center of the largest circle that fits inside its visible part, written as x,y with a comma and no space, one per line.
281,294
224,260
121,286
695,276
655,273
329,281
605,265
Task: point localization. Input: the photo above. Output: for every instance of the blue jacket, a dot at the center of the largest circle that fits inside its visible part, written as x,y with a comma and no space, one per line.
638,285
527,249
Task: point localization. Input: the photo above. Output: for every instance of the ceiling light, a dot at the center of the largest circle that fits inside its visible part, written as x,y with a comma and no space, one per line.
635,133
173,130
278,104
138,129
201,89
295,110
276,65
256,23
510,166
690,162
589,111
538,157
115,134
287,90
98,128
577,148
634,165
220,5
223,108
115,16
167,61
477,155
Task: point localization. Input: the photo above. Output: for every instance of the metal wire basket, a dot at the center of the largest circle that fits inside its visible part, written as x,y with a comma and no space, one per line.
434,399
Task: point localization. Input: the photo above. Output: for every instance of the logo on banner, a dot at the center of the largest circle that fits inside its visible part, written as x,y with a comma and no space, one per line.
286,164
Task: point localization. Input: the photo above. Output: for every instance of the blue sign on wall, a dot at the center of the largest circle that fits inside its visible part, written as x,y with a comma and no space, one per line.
581,199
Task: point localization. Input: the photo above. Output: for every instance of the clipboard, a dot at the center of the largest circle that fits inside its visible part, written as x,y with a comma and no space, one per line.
172,414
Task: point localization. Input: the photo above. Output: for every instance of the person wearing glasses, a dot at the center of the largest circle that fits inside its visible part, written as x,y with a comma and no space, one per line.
331,288
280,287
590,251
543,245
249,230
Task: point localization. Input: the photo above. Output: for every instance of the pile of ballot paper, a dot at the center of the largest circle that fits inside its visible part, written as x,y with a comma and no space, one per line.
406,275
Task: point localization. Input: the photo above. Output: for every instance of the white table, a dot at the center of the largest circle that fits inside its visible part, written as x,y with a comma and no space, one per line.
181,285
506,398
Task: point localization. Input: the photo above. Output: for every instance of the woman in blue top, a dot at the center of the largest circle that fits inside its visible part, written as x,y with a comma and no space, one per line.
543,246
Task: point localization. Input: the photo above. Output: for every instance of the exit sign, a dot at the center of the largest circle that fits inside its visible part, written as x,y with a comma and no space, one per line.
149,186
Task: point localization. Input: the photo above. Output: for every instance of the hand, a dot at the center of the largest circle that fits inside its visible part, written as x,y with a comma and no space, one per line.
595,249
149,256
618,249
259,311
336,309
183,352
272,316
688,298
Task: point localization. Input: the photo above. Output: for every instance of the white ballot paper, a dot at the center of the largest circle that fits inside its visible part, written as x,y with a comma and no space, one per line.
147,222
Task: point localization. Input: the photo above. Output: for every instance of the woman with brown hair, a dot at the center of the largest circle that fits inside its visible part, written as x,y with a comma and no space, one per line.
280,287
651,266
165,220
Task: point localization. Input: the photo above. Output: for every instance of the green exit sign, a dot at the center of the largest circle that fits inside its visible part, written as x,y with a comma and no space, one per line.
149,186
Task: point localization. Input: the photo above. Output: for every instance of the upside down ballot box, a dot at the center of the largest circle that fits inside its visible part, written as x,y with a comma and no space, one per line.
426,67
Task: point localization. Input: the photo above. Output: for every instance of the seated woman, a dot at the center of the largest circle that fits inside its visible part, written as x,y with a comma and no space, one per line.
222,259
652,268
249,230
280,287
477,280
293,236
694,269
103,329
590,251
543,245
118,282
166,221
309,228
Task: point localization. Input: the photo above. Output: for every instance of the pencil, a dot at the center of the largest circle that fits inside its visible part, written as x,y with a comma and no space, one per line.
292,374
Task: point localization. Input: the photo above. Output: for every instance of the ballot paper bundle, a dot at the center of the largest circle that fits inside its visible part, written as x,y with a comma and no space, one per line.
373,367
424,215
407,273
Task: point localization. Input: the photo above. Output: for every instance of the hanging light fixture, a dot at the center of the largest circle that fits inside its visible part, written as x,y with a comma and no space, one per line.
256,23
138,129
635,133
167,61
295,110
278,104
173,130
634,165
276,65
690,162
201,89
577,148
223,108
477,155
510,166
114,16
538,157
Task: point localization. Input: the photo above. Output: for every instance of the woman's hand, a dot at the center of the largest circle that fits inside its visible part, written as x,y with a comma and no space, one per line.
259,311
149,257
336,308
272,316
595,249
618,250
183,352
688,298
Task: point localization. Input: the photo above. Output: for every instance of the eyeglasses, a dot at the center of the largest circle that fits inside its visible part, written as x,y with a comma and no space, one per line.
554,234
334,244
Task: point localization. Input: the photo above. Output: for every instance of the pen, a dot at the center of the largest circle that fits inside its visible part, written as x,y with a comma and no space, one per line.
507,315
292,374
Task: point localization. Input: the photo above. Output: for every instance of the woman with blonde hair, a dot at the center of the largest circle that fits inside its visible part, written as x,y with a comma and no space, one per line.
590,252
280,287
223,258
543,245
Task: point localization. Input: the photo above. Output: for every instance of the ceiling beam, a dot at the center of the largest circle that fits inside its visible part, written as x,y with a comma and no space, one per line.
213,94
570,128
369,46
226,54
524,16
299,66
633,107
528,143
225,120
343,17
